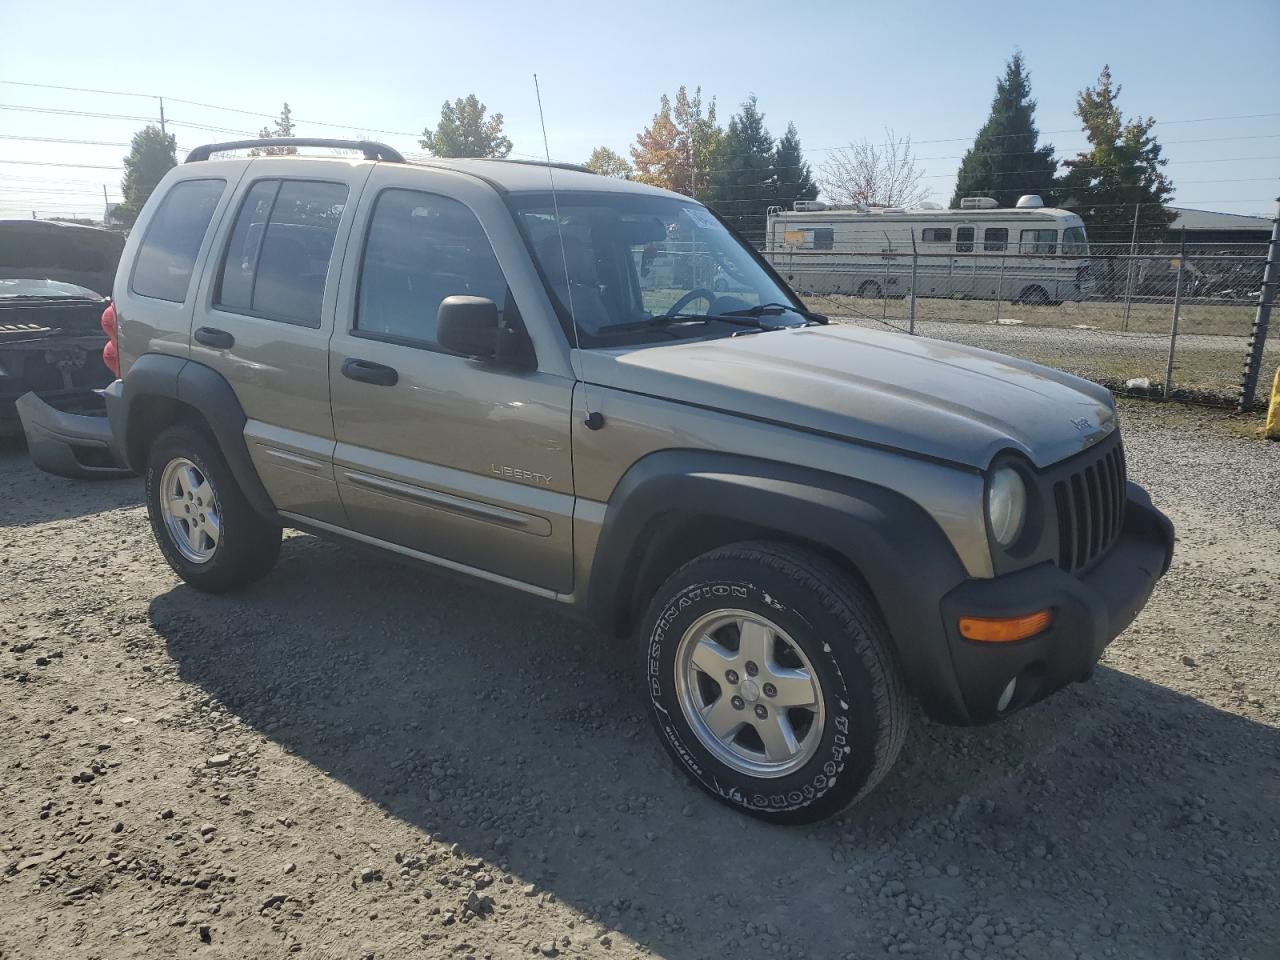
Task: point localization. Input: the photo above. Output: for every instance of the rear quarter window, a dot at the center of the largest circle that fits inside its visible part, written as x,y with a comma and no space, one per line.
167,255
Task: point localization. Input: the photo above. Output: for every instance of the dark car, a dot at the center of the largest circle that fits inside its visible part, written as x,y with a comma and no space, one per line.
54,283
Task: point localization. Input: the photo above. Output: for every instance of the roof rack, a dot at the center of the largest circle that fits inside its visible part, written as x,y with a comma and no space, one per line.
371,149
556,164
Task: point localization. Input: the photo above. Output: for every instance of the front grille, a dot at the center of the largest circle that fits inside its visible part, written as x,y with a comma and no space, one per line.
1090,505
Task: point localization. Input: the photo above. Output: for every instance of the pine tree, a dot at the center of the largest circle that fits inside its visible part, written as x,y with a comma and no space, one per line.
793,180
1121,168
464,131
283,127
743,185
151,155
1006,159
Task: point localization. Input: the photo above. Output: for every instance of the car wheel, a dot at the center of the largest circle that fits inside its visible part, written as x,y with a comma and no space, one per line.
870,291
773,681
206,529
1034,296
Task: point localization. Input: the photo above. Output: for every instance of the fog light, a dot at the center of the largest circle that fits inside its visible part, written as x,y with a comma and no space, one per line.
1006,696
1004,629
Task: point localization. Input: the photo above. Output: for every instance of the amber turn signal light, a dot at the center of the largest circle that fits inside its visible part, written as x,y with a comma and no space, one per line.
1005,629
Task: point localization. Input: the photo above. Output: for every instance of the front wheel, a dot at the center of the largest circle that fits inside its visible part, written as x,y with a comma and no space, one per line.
773,681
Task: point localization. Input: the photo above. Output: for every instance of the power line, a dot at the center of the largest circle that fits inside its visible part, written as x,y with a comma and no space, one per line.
49,163
214,106
405,133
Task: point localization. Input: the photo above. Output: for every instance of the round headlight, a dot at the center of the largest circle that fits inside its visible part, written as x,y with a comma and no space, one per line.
1006,505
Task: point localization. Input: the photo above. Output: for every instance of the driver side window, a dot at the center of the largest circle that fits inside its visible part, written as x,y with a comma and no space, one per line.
421,248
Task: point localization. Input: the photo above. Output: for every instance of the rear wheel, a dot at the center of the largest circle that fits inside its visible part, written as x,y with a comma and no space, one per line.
1034,295
870,291
773,682
206,529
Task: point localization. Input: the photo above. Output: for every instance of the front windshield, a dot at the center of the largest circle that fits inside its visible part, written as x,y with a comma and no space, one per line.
53,289
1074,243
623,263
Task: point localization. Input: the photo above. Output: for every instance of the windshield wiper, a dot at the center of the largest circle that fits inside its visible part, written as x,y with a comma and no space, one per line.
664,320
776,309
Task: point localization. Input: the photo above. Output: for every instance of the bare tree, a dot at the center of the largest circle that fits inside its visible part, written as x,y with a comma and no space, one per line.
873,173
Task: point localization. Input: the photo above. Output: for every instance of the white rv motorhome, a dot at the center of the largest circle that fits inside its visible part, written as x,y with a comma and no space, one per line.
1027,254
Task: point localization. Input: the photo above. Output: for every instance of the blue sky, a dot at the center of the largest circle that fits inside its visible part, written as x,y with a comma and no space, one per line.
840,71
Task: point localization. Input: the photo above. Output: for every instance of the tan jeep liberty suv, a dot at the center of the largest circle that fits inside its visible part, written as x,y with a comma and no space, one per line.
530,374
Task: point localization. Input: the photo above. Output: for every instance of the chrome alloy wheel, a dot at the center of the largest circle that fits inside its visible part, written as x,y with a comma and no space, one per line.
749,693
190,510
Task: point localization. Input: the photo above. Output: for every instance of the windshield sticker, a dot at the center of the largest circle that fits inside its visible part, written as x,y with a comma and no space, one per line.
700,217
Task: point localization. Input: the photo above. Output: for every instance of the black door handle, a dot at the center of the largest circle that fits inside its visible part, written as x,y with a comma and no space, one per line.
366,371
212,337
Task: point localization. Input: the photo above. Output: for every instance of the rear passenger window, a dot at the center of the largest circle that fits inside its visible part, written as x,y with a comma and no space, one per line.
280,248
420,249
935,235
162,268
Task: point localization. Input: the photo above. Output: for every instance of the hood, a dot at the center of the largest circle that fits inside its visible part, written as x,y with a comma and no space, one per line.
929,397
44,250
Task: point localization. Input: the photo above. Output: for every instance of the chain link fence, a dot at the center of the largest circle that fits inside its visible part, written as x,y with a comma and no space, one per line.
1161,320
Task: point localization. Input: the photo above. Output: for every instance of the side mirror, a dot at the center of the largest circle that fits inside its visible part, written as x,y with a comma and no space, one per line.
469,326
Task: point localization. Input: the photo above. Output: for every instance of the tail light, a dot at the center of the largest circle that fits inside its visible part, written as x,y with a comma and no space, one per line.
111,352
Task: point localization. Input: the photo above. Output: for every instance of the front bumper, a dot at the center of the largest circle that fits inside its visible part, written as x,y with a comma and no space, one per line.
69,435
1089,611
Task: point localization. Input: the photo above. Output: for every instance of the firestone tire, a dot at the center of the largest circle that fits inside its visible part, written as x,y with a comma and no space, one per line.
246,545
820,618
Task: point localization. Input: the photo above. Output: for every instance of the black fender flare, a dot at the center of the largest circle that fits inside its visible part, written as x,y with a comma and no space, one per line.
898,549
159,376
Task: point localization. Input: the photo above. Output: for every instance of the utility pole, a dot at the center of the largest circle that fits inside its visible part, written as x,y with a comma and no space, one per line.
162,129
106,206
1128,279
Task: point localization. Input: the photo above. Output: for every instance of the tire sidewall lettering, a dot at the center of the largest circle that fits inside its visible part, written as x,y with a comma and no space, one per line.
791,792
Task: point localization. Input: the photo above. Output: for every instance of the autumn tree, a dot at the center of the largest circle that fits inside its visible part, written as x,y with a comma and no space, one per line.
1006,159
283,127
151,155
1122,168
880,174
678,148
465,131
607,163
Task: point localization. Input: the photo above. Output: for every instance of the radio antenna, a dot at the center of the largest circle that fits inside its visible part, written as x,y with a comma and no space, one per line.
594,420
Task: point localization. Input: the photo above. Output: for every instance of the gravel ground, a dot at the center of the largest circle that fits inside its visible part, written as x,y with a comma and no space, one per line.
359,760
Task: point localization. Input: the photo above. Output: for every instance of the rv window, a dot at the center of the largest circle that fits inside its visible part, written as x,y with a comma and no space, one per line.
964,239
1038,241
1074,242
824,238
995,238
935,235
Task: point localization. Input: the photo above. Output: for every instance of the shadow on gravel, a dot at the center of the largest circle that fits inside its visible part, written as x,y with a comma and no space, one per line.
494,723
28,495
